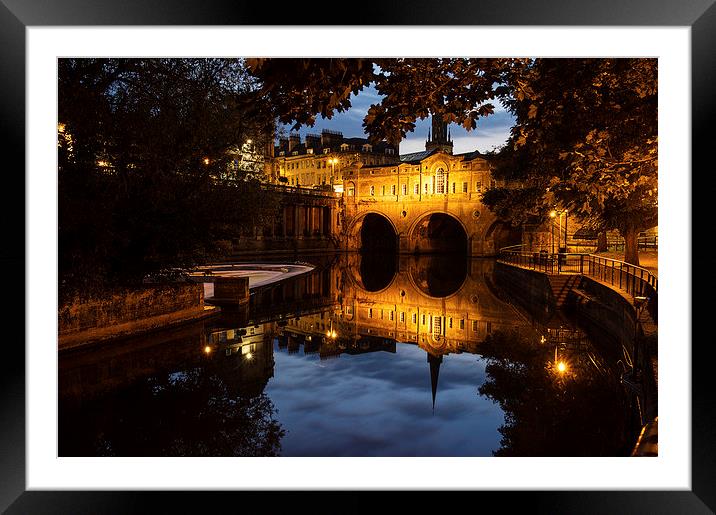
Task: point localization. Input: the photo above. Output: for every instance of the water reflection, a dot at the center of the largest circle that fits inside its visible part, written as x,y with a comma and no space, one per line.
377,270
190,392
574,405
434,361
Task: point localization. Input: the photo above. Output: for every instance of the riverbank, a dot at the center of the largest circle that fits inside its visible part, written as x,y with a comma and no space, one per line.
600,307
82,321
156,307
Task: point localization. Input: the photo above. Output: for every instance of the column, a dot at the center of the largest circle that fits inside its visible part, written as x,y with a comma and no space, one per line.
297,225
285,221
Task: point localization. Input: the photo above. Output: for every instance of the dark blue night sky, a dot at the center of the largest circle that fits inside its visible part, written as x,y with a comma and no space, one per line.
491,131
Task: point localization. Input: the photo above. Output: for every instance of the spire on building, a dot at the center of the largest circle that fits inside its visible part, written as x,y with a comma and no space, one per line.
434,372
440,136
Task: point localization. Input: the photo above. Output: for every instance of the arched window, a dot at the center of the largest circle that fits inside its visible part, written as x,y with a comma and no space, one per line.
440,181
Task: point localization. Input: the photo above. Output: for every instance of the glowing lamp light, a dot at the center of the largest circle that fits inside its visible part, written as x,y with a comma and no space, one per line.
249,355
542,339
207,350
60,127
561,367
333,334
249,141
552,214
206,160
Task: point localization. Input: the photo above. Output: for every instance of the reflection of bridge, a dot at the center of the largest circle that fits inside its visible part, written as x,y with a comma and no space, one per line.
443,304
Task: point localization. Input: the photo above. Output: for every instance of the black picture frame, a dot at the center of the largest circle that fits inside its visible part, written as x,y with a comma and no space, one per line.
17,15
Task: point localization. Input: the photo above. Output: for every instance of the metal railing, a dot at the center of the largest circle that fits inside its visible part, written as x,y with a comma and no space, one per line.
635,280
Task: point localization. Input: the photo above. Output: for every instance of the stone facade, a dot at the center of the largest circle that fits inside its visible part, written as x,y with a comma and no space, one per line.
423,184
320,158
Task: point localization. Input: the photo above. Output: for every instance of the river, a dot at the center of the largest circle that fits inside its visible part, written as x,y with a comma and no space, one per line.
365,355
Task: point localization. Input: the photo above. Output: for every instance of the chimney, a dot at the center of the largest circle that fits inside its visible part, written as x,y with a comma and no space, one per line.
294,140
313,141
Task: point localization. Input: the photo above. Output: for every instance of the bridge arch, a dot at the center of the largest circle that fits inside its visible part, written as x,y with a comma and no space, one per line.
438,231
374,231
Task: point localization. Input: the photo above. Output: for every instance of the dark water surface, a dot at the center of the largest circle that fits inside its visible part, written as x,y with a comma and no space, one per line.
364,356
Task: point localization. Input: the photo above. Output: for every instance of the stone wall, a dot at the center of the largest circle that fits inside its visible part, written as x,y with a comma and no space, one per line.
610,313
129,306
531,289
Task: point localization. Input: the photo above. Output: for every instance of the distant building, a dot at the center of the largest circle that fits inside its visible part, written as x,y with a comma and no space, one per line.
320,159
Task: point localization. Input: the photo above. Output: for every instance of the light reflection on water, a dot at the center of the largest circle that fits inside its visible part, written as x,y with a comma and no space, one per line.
429,359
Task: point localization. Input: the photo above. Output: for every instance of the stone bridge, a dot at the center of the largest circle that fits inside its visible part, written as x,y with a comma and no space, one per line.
429,203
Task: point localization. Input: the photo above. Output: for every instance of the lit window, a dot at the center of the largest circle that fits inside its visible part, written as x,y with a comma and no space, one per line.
391,316
423,319
404,189
453,187
402,316
462,323
417,189
474,326
440,181
351,191
478,186
415,318
372,190
382,190
426,187
370,312
464,187
450,322
392,189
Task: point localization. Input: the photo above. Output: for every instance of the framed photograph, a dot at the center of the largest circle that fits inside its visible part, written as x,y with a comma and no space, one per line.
459,202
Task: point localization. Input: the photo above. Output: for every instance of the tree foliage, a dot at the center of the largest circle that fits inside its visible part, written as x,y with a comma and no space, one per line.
459,90
586,137
142,151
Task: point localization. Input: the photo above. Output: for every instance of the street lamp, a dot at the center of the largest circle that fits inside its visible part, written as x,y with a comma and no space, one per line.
333,162
552,214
